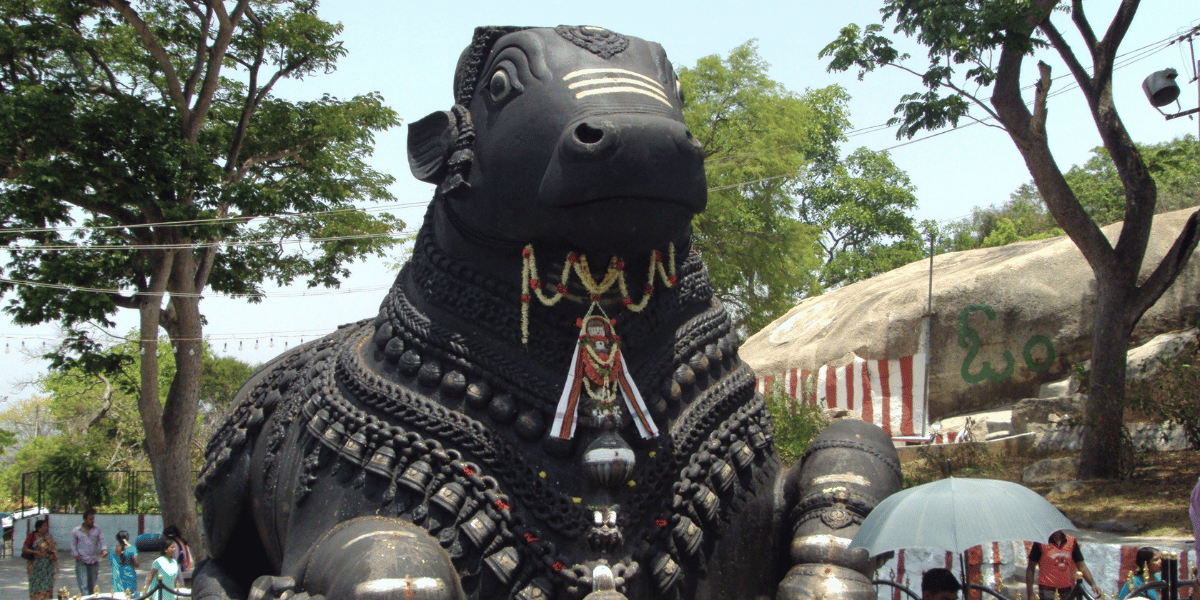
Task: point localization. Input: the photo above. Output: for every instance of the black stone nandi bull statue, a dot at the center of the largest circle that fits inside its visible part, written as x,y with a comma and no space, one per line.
549,403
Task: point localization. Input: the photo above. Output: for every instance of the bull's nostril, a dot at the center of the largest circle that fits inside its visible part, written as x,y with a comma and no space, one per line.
587,134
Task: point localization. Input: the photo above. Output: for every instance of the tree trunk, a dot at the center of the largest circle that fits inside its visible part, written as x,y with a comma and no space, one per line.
176,484
170,427
1100,456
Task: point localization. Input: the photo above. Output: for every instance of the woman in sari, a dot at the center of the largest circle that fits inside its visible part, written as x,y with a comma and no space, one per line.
44,565
124,561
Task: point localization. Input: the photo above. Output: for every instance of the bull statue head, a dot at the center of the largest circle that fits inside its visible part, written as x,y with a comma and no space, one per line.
566,136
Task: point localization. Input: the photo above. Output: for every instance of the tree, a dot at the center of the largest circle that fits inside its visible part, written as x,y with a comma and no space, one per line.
975,45
75,478
99,411
861,204
757,138
153,125
1174,165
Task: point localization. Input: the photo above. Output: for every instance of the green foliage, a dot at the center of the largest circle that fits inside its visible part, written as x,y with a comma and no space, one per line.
94,123
72,477
153,127
786,214
796,424
1174,165
962,38
7,439
99,411
861,204
756,138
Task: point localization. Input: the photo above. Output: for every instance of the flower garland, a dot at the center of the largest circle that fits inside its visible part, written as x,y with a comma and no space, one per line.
578,263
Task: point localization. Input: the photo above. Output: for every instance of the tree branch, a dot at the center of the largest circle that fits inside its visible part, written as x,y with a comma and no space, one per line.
125,301
1037,124
1085,81
174,89
226,23
953,86
1106,50
208,255
201,49
293,151
105,401
1058,196
1168,268
1085,28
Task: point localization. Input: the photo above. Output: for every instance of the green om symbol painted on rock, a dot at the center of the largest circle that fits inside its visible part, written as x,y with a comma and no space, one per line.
969,338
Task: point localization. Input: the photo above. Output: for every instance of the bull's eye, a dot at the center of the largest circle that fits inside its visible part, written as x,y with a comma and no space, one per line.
500,86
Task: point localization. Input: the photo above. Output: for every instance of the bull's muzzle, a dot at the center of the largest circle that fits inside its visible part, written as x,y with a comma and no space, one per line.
642,156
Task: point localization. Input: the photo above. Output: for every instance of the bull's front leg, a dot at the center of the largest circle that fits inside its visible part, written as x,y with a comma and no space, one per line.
847,470
372,558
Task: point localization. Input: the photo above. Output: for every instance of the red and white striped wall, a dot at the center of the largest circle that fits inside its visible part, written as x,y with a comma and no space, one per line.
889,393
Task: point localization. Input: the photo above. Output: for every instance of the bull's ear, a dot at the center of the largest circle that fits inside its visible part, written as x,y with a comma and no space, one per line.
429,144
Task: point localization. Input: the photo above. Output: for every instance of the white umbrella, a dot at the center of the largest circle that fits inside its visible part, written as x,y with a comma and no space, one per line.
956,514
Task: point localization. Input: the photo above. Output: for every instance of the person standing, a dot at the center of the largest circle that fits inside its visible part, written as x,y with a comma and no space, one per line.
183,553
164,569
87,544
1148,563
939,584
124,562
1056,564
44,565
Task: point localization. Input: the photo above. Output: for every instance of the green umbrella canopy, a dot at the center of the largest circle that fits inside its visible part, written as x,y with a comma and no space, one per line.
955,514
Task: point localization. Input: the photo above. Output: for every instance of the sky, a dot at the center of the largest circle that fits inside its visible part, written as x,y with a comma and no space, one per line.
407,51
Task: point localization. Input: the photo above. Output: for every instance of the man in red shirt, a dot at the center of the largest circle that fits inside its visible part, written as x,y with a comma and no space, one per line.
1056,564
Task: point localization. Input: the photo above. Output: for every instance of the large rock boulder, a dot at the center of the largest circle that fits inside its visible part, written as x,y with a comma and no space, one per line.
1005,320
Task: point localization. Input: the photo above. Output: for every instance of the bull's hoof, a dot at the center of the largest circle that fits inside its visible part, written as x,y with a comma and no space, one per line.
377,558
271,588
825,582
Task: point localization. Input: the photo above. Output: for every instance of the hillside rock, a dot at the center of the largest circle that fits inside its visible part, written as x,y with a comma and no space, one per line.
1039,414
1005,320
1051,470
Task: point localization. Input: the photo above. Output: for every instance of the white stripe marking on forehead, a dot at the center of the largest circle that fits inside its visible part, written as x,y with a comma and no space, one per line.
616,80
621,89
582,72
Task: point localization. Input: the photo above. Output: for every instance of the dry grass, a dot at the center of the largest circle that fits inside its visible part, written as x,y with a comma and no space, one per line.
1155,498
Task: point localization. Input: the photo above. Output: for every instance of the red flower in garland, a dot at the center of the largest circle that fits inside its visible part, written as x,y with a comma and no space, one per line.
562,289
534,284
626,301
662,523
671,279
595,297
558,566
526,253
501,505
579,323
658,255
620,265
468,471
530,538
525,298
572,258
649,289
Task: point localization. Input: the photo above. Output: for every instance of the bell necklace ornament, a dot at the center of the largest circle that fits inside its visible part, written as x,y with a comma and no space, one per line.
598,374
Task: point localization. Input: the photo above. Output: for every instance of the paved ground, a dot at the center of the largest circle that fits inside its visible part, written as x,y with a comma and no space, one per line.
14,582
